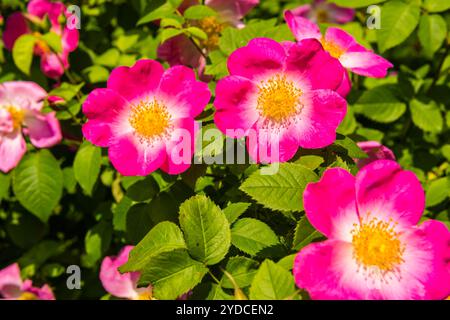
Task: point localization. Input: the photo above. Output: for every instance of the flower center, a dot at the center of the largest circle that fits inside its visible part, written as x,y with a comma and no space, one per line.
27,296
41,45
147,295
376,244
212,28
17,116
332,48
322,15
149,120
278,99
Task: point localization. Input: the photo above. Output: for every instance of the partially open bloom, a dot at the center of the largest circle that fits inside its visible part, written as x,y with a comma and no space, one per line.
281,97
180,49
145,117
122,285
321,11
52,64
341,46
375,249
12,287
20,112
375,151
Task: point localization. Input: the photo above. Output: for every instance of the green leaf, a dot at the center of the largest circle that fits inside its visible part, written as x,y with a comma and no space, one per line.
235,210
350,146
281,191
38,183
242,270
355,3
143,190
22,52
5,181
216,293
109,58
398,21
251,236
170,22
287,262
66,91
164,11
196,32
53,41
380,104
96,242
305,233
198,12
70,184
432,33
438,191
138,222
426,116
436,5
164,237
272,282
172,274
310,161
87,165
206,229
169,33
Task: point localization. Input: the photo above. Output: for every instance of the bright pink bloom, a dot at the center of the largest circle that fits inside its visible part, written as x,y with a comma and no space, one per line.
320,11
282,96
144,115
20,111
52,64
341,46
375,249
13,288
180,50
375,151
122,285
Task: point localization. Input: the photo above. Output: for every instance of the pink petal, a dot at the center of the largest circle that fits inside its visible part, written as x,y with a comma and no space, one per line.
40,8
188,95
320,119
341,15
101,107
134,158
366,64
12,149
16,25
181,146
334,217
70,39
22,94
117,284
301,28
232,10
259,57
346,85
343,40
235,106
375,151
386,191
140,80
302,11
10,281
328,271
308,59
44,129
180,50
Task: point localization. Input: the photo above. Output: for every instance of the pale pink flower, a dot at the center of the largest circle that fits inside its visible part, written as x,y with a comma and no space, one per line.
375,151
321,11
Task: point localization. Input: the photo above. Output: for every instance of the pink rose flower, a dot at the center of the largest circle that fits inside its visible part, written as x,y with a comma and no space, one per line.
144,115
18,24
320,11
122,285
13,288
20,112
341,46
375,151
375,249
180,50
280,96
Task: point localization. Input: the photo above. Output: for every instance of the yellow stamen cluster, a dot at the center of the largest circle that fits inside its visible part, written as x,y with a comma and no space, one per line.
377,244
27,296
278,99
146,295
149,120
41,44
17,116
212,28
332,48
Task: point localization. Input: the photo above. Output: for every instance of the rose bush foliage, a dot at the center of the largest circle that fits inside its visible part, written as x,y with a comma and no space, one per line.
356,205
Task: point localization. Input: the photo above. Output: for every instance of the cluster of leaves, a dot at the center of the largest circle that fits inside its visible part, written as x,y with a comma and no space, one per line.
222,231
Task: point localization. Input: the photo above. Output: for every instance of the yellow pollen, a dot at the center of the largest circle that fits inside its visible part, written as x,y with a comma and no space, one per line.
278,99
149,120
41,44
376,244
147,295
27,296
333,49
17,116
213,29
